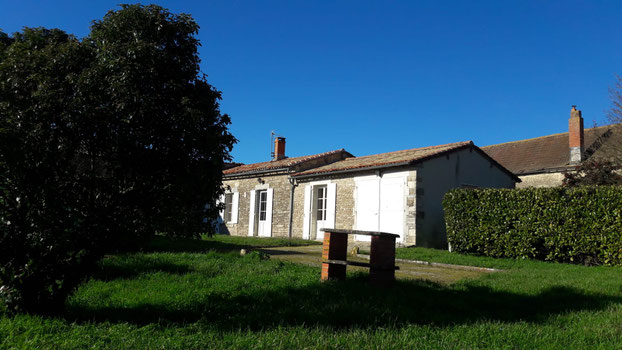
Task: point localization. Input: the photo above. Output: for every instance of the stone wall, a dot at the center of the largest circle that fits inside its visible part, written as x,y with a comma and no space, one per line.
541,180
280,203
344,204
411,209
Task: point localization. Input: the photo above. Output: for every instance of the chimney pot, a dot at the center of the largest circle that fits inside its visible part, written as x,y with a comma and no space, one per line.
279,148
575,136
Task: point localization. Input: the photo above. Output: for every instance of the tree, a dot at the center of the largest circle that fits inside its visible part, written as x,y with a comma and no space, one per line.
105,141
46,242
593,173
158,125
615,94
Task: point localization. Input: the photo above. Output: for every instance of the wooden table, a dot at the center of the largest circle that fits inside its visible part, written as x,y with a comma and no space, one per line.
381,257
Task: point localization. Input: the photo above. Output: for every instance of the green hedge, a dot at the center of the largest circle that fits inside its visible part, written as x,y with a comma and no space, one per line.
578,225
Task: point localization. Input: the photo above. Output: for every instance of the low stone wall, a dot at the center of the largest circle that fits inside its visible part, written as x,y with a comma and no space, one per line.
541,180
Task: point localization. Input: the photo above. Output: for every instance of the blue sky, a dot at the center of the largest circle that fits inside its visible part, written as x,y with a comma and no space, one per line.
379,76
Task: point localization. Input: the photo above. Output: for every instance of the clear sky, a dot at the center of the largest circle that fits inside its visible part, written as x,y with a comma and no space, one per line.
379,76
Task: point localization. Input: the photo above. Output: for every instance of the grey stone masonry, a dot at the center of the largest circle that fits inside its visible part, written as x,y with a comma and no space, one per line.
280,203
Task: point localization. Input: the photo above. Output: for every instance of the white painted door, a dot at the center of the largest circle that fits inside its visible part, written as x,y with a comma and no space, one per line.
252,210
320,194
392,205
262,213
367,199
306,225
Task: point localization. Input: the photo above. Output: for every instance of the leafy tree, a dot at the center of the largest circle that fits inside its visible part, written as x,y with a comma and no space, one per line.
104,141
159,129
593,173
44,242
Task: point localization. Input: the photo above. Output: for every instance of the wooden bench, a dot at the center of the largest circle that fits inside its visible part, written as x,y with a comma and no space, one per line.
381,257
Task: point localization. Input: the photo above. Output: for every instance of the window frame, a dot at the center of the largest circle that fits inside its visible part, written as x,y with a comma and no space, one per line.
263,205
228,210
321,203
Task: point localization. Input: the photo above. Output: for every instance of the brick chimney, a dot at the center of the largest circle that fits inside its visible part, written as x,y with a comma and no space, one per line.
575,136
279,148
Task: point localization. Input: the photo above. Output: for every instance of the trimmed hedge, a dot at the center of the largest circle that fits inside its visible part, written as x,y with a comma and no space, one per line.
576,225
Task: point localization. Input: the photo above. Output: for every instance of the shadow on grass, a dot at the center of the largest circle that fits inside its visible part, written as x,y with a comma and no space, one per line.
356,304
160,244
119,268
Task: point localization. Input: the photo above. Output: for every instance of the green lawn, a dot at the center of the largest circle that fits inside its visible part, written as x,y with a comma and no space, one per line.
202,294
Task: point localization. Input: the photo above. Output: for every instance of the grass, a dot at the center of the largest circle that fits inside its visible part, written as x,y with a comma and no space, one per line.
446,257
202,294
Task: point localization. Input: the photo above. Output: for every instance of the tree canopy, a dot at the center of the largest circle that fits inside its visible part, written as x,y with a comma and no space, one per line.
593,172
104,141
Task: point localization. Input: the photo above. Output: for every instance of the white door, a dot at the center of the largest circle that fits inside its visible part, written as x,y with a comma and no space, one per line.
320,195
392,205
367,199
252,211
306,225
262,213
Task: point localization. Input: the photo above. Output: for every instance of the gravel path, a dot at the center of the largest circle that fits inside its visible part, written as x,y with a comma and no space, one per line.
440,273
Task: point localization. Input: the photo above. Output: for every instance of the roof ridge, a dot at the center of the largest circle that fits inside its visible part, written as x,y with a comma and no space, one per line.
432,150
311,156
418,148
267,165
545,136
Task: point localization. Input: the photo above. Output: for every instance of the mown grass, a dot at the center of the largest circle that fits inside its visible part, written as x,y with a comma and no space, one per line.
204,298
446,257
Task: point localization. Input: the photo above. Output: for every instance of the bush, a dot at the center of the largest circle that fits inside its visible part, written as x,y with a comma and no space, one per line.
574,225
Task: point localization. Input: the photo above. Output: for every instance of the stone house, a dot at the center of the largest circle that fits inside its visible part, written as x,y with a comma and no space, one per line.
268,189
542,161
399,192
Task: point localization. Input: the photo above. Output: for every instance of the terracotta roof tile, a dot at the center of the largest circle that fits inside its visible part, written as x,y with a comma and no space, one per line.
277,164
552,152
385,159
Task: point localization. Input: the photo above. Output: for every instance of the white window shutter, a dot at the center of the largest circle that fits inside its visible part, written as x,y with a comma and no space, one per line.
270,193
331,201
221,212
234,207
251,215
306,223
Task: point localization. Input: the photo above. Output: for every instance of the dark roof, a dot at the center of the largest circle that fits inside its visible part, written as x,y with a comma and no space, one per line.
231,165
551,153
284,163
386,159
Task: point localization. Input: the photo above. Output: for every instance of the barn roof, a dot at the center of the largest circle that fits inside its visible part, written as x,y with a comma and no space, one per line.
551,153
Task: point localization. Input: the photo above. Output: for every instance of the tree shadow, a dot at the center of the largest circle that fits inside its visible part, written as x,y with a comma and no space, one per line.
356,304
160,244
117,267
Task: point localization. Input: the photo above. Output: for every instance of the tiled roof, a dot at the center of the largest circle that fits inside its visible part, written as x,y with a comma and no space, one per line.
550,153
277,164
385,159
231,165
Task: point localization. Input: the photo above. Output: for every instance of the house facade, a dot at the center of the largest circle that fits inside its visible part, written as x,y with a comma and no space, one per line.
258,197
398,192
542,161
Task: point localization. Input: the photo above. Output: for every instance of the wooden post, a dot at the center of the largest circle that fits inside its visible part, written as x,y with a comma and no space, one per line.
382,260
335,248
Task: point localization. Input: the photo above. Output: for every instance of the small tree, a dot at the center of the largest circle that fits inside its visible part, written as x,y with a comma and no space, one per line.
593,173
